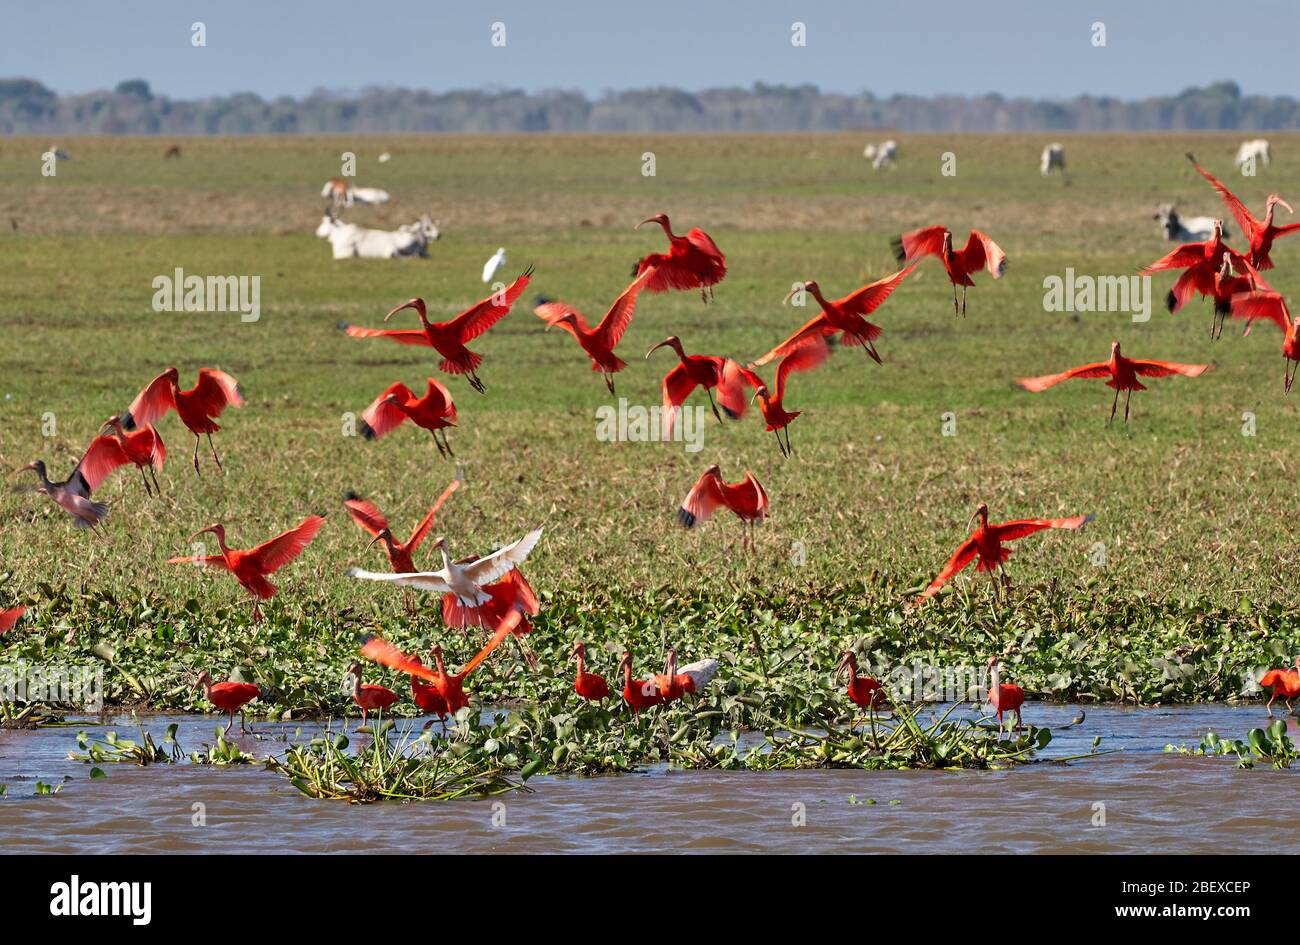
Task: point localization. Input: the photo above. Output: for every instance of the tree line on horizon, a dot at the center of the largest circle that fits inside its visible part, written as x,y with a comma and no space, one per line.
28,107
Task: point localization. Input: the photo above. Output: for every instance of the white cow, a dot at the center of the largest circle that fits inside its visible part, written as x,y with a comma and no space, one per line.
1189,230
344,194
882,155
1053,159
1255,150
351,241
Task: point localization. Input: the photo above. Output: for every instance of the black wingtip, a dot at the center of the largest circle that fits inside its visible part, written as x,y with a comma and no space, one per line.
1222,306
896,244
1089,517
1170,301
635,266
686,518
350,496
1190,156
128,421
343,326
542,300
367,431
730,413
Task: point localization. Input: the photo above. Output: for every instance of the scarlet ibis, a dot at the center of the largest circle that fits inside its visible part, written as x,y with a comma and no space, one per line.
1271,306
428,698
369,696
845,315
675,682
251,567
693,261
745,498
864,691
197,407
449,338
699,370
512,592
143,448
229,697
465,580
638,693
1212,251
1220,285
590,686
1284,683
449,685
1259,233
985,543
73,494
597,342
1005,697
10,617
1123,373
980,252
433,412
400,556
803,358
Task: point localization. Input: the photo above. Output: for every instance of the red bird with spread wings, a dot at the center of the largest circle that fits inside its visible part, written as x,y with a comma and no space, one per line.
746,499
449,338
1212,252
980,252
700,370
1272,307
1259,233
401,556
433,412
1220,286
1123,373
598,342
803,358
693,261
197,407
986,544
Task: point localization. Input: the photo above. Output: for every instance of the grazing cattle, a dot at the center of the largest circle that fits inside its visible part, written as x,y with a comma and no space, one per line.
173,152
351,241
342,194
1053,159
1185,230
882,155
1253,151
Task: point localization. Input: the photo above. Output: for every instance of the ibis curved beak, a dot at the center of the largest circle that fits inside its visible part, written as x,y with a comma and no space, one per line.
1285,204
759,392
793,289
401,308
371,543
201,531
645,221
22,469
666,342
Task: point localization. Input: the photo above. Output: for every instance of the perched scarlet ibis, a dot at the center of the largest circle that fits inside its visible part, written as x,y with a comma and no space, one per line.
675,682
143,448
1005,697
845,315
745,498
465,579
73,494
428,698
400,556
433,412
512,592
449,338
980,252
1259,233
449,685
1123,373
693,261
198,407
1220,285
864,691
598,342
803,358
229,697
251,567
638,693
985,543
369,696
1211,251
10,617
1271,306
699,370
590,686
1284,683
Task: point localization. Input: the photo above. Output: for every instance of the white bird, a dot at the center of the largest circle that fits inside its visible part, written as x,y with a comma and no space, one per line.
463,578
492,265
385,158
700,672
59,153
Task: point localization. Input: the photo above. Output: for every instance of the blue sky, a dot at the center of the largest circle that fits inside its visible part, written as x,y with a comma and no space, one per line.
1015,47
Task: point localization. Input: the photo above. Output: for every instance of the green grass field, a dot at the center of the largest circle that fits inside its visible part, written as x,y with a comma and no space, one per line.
1196,519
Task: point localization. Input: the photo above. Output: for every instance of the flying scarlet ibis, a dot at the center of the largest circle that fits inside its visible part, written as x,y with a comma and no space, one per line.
597,342
251,567
1004,697
675,682
143,448
745,498
590,686
1259,233
980,252
864,691
369,697
845,315
400,555
433,412
512,592
10,616
803,358
699,370
450,338
1271,306
229,697
428,698
1211,251
1284,683
1123,373
638,693
197,407
465,580
986,544
693,261
1220,285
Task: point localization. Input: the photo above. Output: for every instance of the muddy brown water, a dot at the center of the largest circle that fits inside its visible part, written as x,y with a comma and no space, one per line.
1153,801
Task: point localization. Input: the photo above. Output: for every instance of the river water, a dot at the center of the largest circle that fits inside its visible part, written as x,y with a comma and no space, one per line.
1153,801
